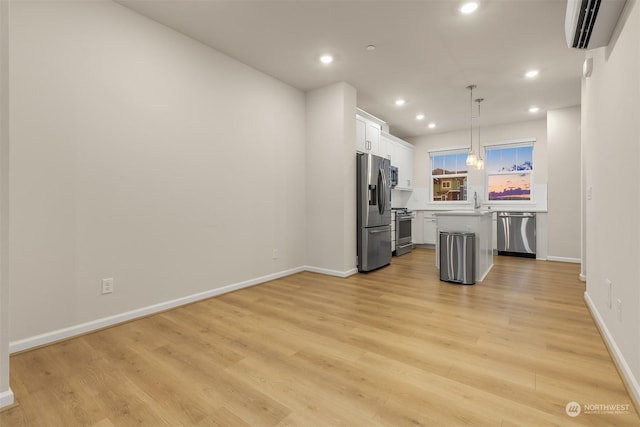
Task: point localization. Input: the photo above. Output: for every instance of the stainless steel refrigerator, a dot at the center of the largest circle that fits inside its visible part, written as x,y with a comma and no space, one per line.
374,212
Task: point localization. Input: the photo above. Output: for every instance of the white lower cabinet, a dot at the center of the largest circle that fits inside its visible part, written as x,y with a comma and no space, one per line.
416,228
495,233
429,228
393,231
413,225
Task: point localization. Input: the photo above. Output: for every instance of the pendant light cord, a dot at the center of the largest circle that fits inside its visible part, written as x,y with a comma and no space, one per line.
480,161
471,118
479,147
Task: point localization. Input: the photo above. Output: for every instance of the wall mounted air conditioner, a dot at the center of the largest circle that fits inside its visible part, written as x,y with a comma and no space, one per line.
590,23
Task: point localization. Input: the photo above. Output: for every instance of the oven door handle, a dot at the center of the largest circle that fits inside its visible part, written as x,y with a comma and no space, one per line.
386,230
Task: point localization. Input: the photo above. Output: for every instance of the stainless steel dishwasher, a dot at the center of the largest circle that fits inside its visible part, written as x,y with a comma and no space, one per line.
517,234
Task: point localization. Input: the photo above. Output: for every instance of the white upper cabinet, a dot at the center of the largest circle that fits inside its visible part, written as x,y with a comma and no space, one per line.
368,138
402,158
371,138
361,135
383,147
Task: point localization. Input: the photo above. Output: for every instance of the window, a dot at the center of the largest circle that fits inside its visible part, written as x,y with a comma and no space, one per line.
449,176
509,171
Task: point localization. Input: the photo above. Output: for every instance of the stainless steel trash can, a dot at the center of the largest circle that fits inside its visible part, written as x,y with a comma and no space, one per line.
458,257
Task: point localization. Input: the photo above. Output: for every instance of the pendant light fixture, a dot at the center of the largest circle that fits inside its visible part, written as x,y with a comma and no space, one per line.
479,161
471,157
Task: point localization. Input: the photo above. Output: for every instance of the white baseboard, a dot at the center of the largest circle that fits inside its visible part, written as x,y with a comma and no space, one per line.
563,259
329,272
6,398
83,328
619,359
485,274
582,277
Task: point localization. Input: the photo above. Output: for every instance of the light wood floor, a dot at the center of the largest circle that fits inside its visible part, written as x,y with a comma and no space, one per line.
395,347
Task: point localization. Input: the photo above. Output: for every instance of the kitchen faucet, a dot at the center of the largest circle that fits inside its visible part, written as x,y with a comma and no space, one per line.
476,205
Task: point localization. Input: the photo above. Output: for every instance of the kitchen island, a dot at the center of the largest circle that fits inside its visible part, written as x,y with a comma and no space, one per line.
478,222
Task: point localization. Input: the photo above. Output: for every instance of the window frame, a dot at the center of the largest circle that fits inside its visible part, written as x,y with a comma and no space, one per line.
441,152
531,172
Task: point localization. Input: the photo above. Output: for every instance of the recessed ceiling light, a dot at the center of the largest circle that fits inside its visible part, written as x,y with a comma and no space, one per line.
371,47
534,109
531,74
432,125
469,7
326,59
420,117
400,102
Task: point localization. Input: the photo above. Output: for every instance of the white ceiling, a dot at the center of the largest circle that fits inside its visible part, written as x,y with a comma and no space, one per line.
426,52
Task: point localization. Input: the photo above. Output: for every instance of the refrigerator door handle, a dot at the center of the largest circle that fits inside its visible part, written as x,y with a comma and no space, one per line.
385,191
381,198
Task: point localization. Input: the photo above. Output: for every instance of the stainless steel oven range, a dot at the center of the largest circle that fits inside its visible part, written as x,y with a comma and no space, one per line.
403,231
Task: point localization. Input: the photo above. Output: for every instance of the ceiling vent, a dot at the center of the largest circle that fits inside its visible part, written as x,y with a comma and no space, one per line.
590,23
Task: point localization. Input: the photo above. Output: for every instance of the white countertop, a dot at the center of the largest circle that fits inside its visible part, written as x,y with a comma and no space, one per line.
420,200
464,213
493,209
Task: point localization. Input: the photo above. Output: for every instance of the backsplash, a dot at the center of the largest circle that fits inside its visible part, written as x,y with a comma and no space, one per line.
400,198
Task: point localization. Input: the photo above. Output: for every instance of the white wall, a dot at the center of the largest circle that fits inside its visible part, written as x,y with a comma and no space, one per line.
610,138
535,129
142,155
563,196
6,395
331,174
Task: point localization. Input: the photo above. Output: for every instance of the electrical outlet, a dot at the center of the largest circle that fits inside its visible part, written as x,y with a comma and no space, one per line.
619,309
609,292
107,286
275,254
